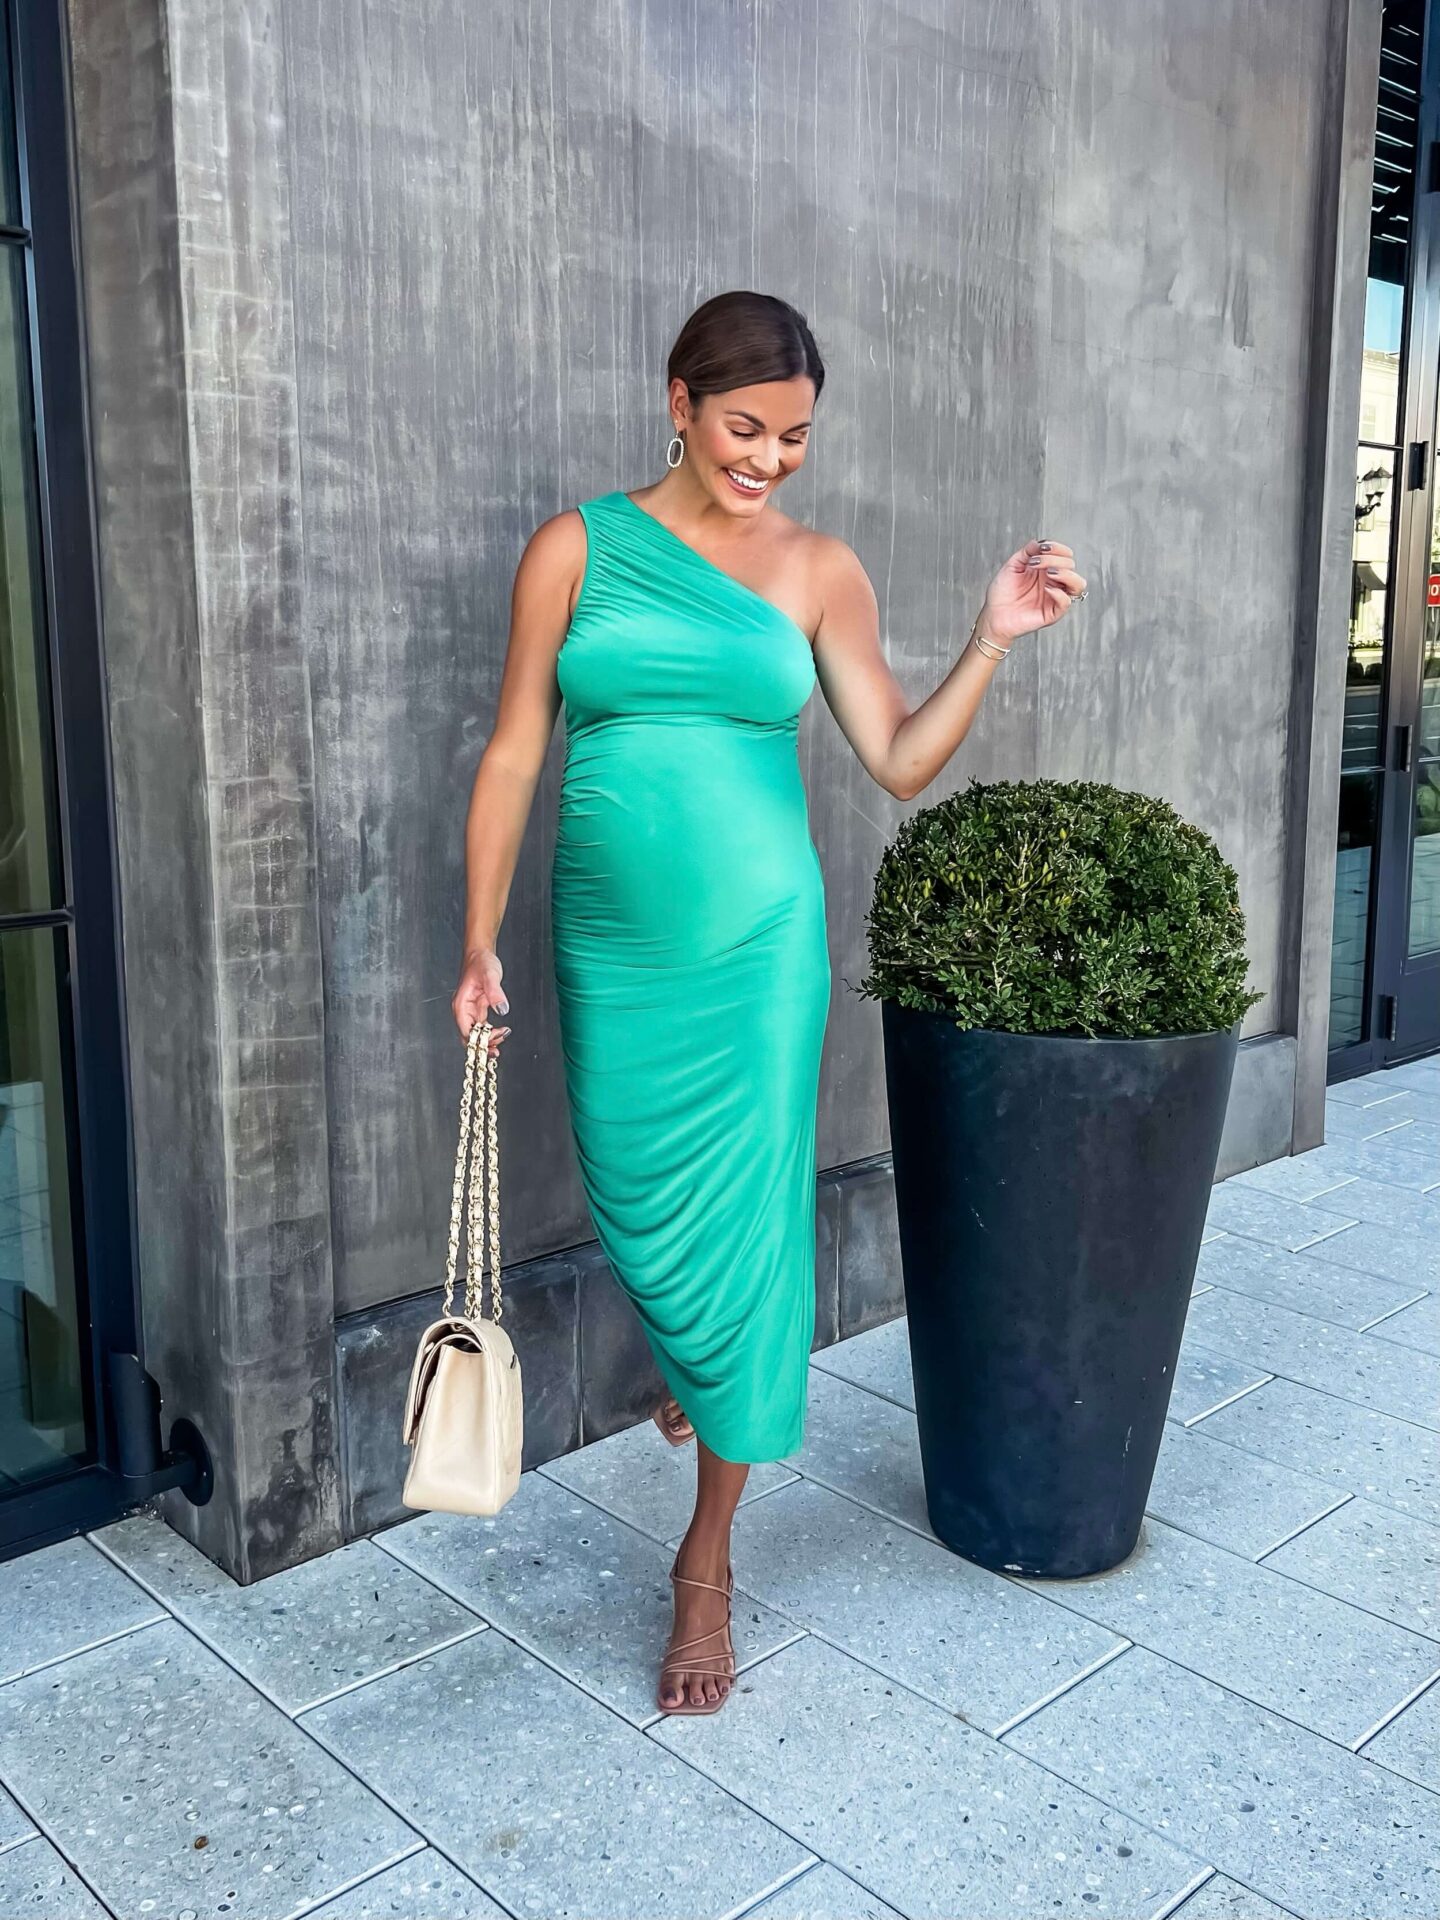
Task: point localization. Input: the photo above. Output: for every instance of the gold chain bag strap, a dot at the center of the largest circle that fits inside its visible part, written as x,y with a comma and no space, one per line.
464,1413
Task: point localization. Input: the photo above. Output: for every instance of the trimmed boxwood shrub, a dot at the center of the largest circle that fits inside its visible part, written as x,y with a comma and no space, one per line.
1058,906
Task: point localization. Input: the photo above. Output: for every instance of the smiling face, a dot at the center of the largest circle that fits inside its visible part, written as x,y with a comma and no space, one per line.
741,444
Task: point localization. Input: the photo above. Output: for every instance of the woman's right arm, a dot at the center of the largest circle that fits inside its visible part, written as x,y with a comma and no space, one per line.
547,581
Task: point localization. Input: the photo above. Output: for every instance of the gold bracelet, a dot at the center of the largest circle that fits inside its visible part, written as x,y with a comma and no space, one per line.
984,643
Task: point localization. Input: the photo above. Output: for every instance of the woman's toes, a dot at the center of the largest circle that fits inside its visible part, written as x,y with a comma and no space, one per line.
712,1693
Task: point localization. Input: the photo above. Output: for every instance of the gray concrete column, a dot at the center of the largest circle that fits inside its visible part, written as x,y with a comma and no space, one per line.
185,218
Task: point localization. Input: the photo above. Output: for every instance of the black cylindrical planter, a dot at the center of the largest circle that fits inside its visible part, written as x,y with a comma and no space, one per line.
1052,1194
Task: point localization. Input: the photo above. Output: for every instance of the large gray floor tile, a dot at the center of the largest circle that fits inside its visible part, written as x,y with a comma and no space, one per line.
1295,1176
1222,1899
878,1359
1373,1558
578,1587
1419,1103
14,1824
862,1445
424,1887
1352,1366
308,1631
1417,1326
1363,1123
966,1638
1329,1666
36,1884
61,1599
1365,1090
1405,1254
1411,1743
147,1547
1374,1454
1305,1285
1312,1827
132,1751
1205,1382
822,1893
1247,1505
1386,1160
638,1476
545,1796
921,1808
1422,1075
1383,1204
1253,1215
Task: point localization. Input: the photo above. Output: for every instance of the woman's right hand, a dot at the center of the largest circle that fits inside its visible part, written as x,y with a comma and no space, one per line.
480,990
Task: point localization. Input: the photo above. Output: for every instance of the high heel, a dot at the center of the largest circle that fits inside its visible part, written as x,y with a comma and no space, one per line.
677,1430
720,1664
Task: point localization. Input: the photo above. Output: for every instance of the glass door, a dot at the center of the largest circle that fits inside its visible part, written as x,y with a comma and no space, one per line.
1385,963
67,1299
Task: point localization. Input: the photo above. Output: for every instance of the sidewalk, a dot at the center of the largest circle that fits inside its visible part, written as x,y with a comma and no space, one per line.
455,1718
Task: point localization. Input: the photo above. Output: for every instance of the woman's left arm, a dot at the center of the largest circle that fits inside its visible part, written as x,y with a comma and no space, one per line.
902,749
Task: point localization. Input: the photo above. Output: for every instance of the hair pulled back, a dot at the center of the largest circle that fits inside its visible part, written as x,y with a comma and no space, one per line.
741,339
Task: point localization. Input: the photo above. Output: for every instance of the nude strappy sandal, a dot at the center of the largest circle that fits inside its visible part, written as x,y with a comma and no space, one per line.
721,1665
677,1430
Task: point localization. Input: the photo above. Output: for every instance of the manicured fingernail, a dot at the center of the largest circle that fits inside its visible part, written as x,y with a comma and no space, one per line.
504,1006
1045,545
1052,569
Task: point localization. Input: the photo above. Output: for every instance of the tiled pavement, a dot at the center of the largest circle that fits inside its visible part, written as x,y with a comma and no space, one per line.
456,1717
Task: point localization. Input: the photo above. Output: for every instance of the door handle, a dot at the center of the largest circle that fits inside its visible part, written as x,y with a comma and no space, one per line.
1402,748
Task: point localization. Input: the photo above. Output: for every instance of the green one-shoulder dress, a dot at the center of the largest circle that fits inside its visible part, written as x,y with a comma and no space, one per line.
692,969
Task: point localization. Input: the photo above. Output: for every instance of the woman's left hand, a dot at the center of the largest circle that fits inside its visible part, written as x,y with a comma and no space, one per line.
1034,587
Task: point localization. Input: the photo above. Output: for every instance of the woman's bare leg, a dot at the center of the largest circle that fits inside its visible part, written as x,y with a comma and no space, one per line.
705,1555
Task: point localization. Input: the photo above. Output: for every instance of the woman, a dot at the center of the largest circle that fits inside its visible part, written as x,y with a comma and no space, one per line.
684,628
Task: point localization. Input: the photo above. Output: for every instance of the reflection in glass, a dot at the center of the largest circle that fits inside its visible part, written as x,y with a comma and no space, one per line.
27,878
42,1403
1353,858
1369,604
1425,861
9,149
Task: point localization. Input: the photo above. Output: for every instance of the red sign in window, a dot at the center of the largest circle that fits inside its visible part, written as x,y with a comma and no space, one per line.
1432,591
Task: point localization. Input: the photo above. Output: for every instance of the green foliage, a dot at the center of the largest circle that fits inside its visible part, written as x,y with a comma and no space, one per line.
1050,906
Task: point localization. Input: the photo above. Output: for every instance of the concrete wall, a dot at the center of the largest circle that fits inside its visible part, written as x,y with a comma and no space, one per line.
407,277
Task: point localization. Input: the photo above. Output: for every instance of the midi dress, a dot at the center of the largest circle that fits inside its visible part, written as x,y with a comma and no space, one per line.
692,968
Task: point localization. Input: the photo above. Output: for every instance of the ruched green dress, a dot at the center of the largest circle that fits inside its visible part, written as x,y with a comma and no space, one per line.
692,970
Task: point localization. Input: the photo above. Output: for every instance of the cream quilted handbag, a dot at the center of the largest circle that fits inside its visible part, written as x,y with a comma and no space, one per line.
464,1412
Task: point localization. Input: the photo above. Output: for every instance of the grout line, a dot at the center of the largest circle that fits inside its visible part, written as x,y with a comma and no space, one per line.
860,1386
1392,1347
1295,1533
786,1880
90,1646
1370,1497
44,1832
421,1845
1187,1893
516,1638
1404,1307
1102,1660
425,1837
395,1666
197,1631
1394,1713
1230,1398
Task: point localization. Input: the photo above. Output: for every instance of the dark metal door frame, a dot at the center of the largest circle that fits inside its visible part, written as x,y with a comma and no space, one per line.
91,999
1402,994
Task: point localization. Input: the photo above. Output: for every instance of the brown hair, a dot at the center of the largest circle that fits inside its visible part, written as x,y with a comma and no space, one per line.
739,339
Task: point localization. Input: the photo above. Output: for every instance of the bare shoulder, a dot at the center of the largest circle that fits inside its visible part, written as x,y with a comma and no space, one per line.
554,558
557,541
837,573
